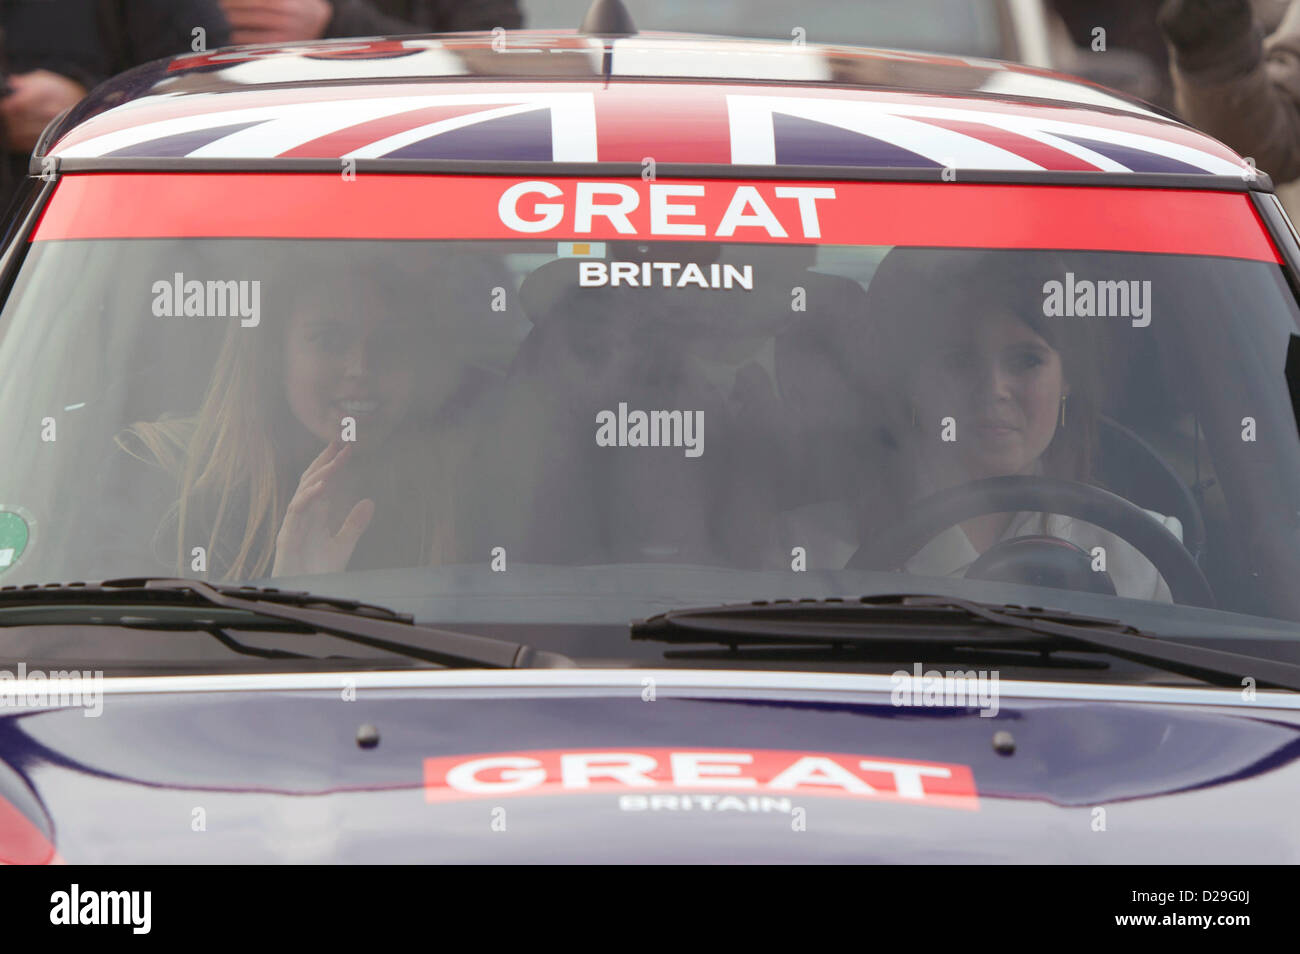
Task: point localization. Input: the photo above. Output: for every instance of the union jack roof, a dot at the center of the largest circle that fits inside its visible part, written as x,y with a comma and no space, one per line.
578,99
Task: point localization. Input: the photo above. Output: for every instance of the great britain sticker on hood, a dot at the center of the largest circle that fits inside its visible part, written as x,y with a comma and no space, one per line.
743,774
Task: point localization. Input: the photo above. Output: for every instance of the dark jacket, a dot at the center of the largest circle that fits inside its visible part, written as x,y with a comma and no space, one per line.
91,40
393,17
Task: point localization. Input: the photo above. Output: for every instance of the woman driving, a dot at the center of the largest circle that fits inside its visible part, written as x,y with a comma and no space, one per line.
972,380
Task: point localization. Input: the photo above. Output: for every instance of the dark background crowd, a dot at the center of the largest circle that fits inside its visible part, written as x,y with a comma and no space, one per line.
1231,67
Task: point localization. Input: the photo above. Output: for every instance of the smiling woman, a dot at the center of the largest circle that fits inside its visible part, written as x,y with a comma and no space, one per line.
962,334
310,451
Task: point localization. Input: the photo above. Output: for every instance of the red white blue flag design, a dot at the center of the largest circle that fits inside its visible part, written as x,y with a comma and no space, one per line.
628,122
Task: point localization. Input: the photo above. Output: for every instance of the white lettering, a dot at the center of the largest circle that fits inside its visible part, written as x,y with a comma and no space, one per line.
661,209
819,770
711,769
747,197
586,208
807,197
592,274
596,274
578,770
907,777
674,208
551,212
517,774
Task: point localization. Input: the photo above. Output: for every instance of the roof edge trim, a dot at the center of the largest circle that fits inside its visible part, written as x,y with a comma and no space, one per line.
1145,180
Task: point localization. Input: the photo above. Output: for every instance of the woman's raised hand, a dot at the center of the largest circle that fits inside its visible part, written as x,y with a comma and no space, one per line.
305,544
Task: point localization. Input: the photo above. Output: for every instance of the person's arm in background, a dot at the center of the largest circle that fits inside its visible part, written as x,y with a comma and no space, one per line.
34,99
1235,86
52,59
129,33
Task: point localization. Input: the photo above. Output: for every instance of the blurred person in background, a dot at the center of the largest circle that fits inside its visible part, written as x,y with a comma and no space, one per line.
1129,25
284,21
1230,67
53,51
1237,80
1132,30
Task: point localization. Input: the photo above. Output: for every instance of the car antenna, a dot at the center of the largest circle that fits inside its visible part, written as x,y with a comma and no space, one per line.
608,18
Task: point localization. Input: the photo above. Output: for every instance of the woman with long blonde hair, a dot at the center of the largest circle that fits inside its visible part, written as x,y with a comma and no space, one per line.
314,449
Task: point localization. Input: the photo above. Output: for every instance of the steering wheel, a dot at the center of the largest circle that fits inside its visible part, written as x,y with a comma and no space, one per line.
894,547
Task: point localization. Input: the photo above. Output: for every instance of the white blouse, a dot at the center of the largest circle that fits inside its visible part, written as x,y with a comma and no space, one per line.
951,552
819,528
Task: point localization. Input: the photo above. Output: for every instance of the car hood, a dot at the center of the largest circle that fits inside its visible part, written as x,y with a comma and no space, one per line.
645,766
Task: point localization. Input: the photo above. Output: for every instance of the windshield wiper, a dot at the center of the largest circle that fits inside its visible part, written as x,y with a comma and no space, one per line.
892,622
375,626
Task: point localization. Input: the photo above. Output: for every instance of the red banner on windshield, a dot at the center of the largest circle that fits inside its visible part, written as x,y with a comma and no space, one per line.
351,205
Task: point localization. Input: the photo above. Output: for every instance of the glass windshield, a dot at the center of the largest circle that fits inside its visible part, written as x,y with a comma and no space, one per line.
542,430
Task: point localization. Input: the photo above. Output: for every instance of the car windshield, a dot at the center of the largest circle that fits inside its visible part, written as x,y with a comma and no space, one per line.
816,390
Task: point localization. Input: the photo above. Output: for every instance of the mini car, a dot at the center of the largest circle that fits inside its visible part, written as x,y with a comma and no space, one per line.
423,449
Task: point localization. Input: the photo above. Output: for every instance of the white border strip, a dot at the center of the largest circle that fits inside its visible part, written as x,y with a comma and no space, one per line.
801,683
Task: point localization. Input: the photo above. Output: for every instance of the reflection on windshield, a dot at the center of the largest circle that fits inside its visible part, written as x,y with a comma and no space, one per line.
255,409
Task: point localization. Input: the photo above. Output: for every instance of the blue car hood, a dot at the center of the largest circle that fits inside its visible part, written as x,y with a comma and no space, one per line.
644,766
